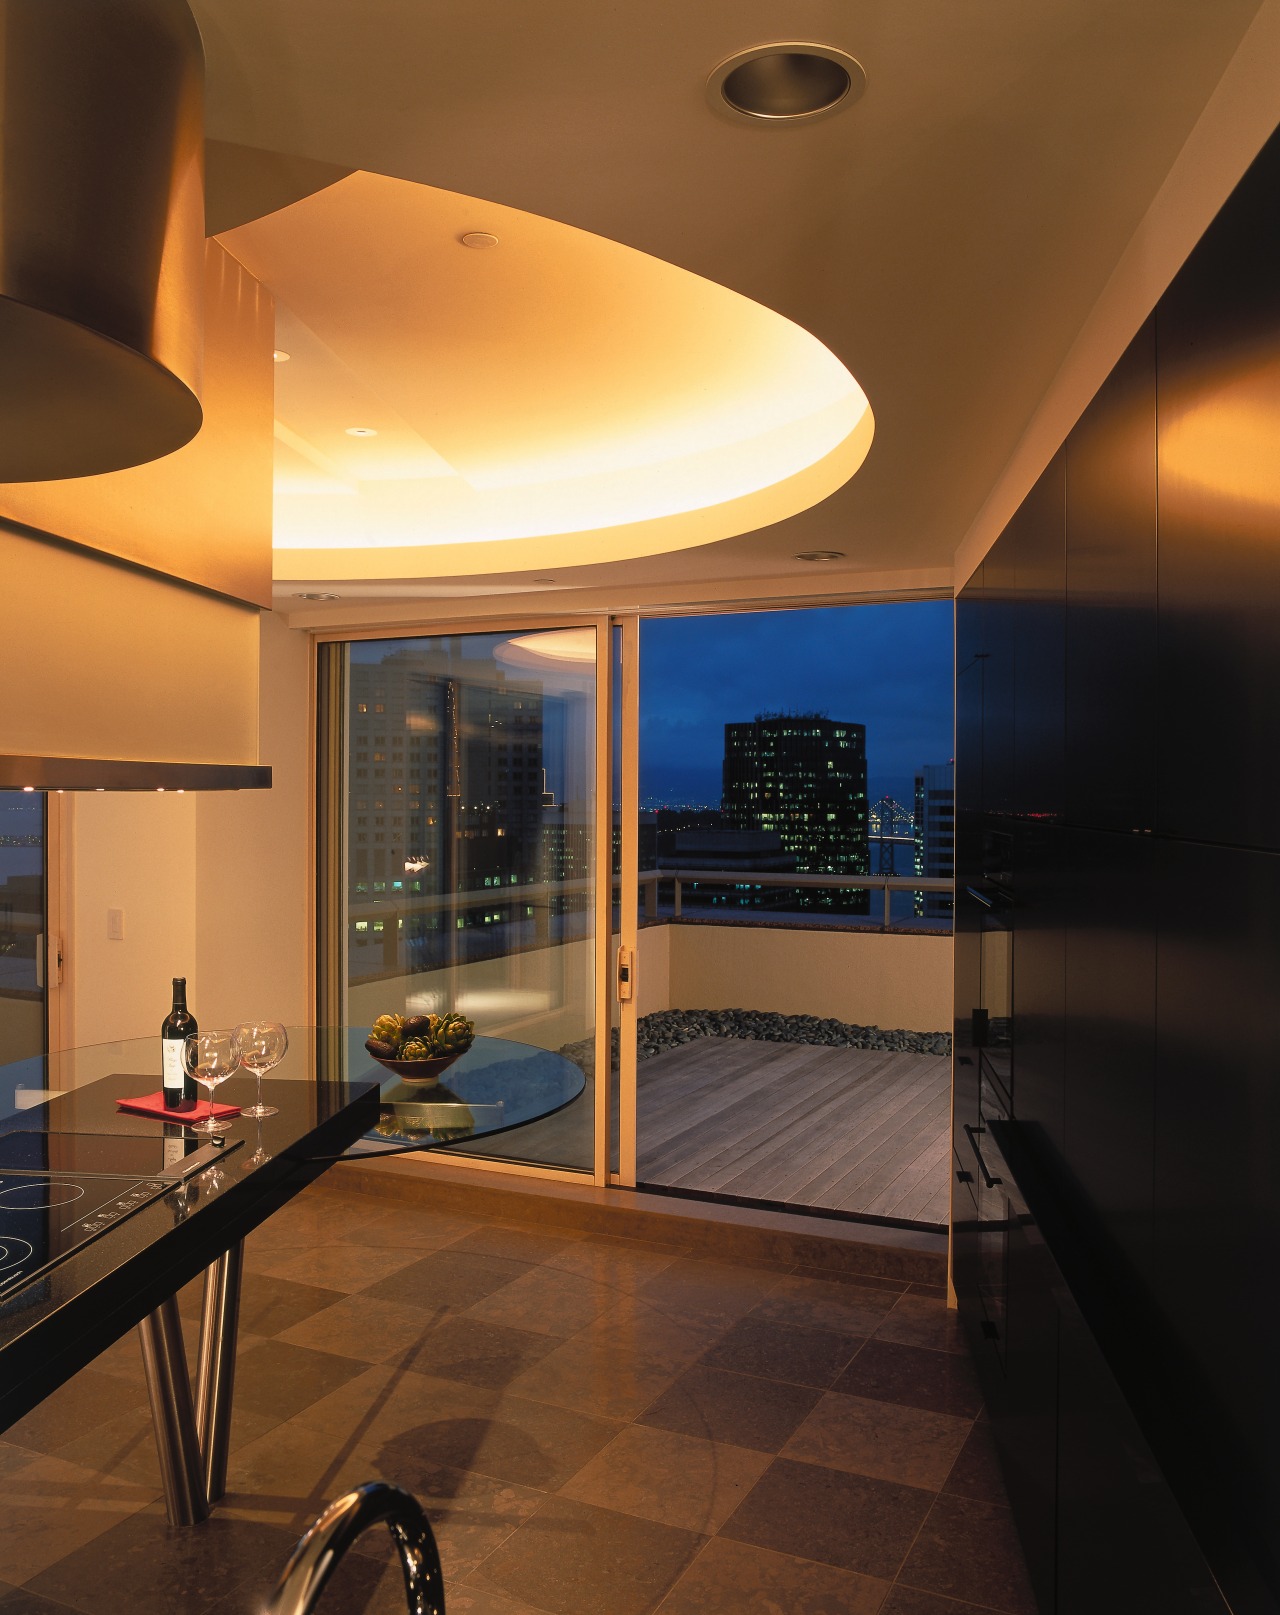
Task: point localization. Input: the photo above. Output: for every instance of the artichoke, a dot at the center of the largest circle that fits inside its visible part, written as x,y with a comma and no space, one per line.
454,1034
413,1048
389,1029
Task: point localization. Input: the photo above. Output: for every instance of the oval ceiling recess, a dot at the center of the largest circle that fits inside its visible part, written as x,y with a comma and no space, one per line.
554,400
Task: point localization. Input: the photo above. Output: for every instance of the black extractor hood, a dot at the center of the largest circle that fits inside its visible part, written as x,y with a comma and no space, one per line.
115,774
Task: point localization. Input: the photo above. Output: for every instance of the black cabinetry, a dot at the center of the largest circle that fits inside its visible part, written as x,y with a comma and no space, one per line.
1111,599
1117,1147
1218,362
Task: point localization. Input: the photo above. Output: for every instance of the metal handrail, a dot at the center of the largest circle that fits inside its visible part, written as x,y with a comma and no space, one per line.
317,1556
650,879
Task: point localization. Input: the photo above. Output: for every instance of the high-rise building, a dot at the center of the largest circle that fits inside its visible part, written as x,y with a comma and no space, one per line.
804,777
935,835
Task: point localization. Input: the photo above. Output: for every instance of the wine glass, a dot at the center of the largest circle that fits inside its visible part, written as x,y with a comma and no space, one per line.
262,1045
210,1057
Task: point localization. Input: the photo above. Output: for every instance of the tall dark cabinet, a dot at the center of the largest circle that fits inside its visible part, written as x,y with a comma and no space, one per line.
1116,1209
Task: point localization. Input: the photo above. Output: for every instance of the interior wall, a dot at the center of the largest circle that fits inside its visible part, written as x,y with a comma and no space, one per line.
253,873
864,977
134,851
215,886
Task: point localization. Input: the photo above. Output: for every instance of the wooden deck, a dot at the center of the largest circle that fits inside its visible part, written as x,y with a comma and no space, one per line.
852,1129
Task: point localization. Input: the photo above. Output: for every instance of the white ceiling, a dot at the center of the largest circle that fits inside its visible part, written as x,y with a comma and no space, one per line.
945,237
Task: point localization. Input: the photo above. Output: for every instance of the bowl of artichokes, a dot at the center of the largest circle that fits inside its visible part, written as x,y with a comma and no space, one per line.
419,1047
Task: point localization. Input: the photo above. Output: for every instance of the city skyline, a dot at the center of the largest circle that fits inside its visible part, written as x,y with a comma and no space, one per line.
887,667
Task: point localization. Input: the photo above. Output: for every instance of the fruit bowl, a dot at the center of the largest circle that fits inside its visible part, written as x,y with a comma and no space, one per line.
419,1070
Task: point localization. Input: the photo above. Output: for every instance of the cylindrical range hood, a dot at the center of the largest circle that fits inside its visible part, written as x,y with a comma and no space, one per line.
101,234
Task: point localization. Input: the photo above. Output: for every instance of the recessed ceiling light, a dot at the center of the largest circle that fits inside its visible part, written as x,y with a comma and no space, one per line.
317,597
820,555
362,431
280,356
786,83
544,580
478,239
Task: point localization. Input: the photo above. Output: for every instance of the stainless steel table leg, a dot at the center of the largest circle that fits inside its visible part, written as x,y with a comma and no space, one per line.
169,1390
216,1371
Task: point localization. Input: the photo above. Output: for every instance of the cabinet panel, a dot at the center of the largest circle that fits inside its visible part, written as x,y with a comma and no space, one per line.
1109,1043
1218,373
1123,1543
1040,647
1217,1183
1111,599
1039,974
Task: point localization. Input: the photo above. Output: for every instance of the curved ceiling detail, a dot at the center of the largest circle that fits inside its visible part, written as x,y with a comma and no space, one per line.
551,400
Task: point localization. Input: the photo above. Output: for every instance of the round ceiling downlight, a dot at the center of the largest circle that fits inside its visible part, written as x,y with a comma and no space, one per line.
786,83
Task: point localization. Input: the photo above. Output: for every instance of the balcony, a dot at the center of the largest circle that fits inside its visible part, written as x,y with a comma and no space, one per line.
805,1120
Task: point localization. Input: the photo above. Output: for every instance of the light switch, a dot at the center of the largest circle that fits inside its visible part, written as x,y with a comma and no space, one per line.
115,925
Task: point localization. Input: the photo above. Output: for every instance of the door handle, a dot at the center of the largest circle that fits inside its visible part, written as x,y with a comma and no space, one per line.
992,1183
626,974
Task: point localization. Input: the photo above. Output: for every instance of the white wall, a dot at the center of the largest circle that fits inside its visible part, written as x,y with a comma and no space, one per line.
866,977
214,886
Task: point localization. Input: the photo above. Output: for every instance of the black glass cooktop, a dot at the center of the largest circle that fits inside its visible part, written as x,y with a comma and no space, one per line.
59,1191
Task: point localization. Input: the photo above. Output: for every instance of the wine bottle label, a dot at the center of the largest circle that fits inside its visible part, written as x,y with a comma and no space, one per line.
171,1065
174,1150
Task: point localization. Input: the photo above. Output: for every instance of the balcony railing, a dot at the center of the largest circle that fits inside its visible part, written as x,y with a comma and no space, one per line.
652,879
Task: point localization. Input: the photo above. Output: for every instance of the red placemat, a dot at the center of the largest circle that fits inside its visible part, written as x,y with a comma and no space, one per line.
152,1104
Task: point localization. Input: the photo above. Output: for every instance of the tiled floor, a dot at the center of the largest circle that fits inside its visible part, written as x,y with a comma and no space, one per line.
595,1425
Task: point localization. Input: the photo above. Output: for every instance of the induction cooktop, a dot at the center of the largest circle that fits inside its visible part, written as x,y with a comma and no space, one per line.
58,1191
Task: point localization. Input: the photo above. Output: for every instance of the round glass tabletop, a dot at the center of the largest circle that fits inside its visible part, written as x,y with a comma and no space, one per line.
496,1085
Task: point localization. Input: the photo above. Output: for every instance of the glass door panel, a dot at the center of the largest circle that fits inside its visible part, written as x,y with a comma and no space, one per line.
470,793
22,924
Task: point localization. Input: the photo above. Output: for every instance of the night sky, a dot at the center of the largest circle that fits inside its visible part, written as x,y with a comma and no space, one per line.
887,666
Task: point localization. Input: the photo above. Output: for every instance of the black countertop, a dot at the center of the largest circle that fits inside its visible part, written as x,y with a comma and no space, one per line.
56,1324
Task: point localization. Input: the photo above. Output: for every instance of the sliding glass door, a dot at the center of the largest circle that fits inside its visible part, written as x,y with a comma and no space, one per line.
461,817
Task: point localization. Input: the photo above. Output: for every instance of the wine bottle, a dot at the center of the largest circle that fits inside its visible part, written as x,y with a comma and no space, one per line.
178,1025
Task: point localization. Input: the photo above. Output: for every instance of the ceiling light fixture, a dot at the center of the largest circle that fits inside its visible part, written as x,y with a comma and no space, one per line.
787,82
820,555
280,356
478,239
313,596
362,431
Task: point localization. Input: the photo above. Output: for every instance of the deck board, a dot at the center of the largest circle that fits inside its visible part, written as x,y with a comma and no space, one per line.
862,1130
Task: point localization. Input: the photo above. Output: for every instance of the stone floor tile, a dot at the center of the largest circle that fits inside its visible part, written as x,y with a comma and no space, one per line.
619,1265
673,1479
734,1408
413,1227
867,1281
715,1292
976,1472
363,1327
85,1401
345,1267
969,1550
882,1439
19,1601
518,1241
289,1476
824,1514
477,1601
921,1320
815,1303
574,1559
50,1507
734,1578
943,1382
125,1447
448,1280
910,1601
595,1372
796,1353
545,1300
633,1324
464,1347
268,1306
144,1566
278,1380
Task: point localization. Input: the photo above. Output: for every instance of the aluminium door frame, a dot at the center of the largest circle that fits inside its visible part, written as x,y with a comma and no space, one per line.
604,963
